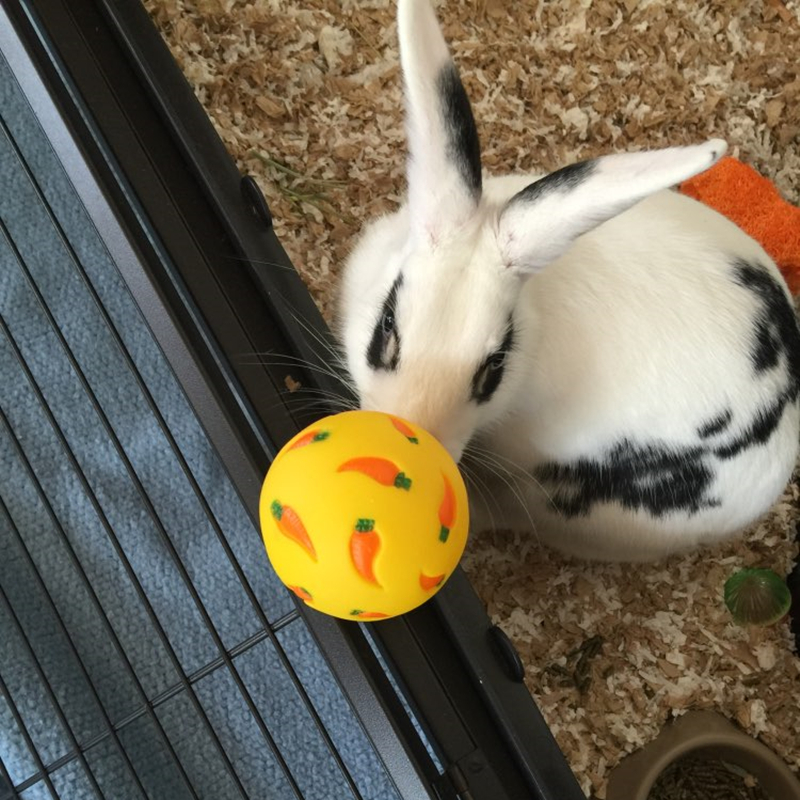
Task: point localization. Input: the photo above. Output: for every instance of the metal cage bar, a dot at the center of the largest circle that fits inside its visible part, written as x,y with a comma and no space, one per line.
109,431
40,584
117,545
43,773
51,695
146,705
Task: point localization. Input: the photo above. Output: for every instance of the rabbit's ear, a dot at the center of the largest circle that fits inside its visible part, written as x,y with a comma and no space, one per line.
539,223
444,168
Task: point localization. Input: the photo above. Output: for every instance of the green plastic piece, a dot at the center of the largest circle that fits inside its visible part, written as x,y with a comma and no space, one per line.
757,597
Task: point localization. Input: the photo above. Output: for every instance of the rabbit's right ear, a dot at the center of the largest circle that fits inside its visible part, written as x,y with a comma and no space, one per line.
539,223
444,169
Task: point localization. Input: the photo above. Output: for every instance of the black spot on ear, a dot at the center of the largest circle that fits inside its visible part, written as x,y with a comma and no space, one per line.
775,333
463,146
562,180
651,477
715,425
383,351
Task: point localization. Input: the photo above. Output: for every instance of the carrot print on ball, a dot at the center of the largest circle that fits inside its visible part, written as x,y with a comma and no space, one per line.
290,524
368,614
364,546
428,582
405,430
379,469
302,593
447,510
311,437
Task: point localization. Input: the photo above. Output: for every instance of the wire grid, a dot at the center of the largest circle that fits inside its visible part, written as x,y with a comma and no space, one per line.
146,648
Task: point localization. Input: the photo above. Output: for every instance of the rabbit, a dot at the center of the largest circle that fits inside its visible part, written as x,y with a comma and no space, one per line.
618,364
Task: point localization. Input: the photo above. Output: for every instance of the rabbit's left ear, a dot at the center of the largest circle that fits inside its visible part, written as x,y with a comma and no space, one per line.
539,223
444,167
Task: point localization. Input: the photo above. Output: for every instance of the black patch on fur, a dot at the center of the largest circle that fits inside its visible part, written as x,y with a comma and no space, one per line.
464,147
384,348
651,477
775,331
715,425
562,180
759,430
775,345
488,376
661,479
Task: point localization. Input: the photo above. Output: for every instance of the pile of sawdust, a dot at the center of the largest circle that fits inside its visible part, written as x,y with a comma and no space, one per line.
306,97
660,642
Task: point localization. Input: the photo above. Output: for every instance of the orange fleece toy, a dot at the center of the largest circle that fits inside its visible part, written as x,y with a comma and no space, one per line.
754,204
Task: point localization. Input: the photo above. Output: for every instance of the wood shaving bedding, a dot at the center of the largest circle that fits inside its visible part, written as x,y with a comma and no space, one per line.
306,96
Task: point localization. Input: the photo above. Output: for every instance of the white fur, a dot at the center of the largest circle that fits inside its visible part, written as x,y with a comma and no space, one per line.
634,330
436,193
529,242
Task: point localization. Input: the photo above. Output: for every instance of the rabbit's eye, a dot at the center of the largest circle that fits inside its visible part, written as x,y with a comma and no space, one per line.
496,362
384,347
387,322
391,343
490,373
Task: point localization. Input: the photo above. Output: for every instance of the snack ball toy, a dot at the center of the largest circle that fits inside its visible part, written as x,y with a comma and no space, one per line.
364,515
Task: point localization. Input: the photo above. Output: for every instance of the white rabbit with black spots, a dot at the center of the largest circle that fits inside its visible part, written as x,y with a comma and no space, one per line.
623,361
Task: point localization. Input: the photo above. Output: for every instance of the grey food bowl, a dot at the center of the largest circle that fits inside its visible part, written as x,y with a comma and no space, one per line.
701,733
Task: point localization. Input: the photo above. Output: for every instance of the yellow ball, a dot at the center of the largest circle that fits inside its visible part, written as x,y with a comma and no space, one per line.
364,515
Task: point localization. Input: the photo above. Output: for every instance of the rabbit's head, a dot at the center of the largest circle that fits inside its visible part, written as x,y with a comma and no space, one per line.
430,307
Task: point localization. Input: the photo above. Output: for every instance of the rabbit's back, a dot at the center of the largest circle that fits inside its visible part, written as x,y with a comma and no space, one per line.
660,406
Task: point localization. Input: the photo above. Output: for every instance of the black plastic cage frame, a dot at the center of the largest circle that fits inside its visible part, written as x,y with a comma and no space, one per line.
201,259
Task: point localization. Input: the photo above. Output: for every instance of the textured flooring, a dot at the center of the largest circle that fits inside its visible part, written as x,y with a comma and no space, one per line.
306,95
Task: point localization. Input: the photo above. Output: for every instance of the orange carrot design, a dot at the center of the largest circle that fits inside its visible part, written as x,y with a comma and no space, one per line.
364,546
290,524
405,430
428,582
368,614
379,469
310,438
447,510
302,593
